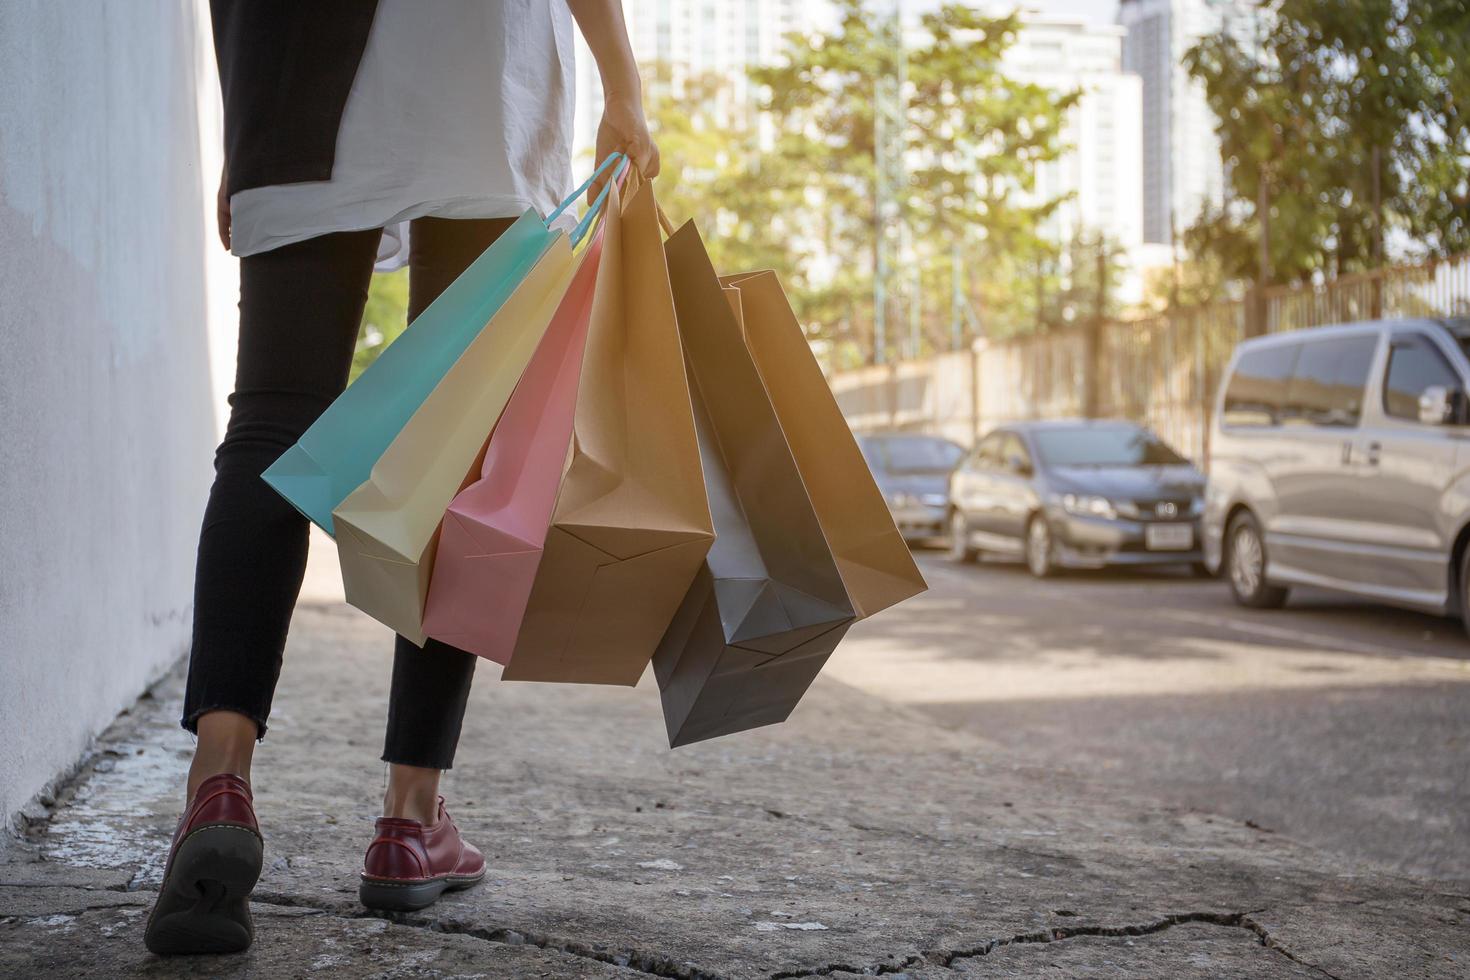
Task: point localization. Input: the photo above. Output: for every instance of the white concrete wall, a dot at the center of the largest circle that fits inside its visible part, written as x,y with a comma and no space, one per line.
108,407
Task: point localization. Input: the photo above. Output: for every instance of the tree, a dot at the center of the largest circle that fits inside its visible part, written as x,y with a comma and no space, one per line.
708,141
822,164
1352,112
973,139
384,318
979,138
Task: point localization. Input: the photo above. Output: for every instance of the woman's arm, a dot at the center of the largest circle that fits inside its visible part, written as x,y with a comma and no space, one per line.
623,125
222,208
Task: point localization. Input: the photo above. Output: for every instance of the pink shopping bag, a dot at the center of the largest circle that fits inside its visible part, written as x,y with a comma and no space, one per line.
495,529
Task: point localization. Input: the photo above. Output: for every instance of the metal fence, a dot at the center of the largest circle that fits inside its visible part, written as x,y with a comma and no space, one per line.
1162,371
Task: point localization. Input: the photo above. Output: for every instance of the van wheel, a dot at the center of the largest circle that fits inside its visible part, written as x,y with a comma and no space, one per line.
1246,564
960,549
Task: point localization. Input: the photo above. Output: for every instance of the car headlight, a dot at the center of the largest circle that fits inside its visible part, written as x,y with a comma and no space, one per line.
1086,505
933,499
900,499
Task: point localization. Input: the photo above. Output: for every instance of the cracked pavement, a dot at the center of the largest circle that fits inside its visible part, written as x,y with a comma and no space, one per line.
860,838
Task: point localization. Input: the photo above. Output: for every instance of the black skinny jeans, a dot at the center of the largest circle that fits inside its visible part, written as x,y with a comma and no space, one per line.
300,306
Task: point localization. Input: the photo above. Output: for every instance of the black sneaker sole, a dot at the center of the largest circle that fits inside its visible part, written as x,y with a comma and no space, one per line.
204,903
410,896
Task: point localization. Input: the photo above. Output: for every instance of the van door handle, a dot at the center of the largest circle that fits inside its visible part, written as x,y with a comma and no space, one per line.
1347,453
1373,448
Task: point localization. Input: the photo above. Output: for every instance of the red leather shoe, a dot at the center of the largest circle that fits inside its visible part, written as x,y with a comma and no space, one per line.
408,866
204,902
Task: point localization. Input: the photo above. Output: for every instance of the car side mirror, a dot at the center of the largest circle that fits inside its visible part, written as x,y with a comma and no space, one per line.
1440,405
1017,465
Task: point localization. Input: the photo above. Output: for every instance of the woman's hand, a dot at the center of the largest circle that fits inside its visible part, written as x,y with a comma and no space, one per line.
623,127
624,130
222,209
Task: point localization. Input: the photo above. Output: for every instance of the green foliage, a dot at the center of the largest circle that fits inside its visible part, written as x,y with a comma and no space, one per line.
713,171
797,187
1094,265
383,319
980,136
1334,80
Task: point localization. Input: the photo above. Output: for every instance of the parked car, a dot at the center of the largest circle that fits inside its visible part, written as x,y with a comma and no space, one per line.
1339,458
1076,494
912,470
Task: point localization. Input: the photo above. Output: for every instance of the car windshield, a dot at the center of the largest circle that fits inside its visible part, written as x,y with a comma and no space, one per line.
915,454
1103,446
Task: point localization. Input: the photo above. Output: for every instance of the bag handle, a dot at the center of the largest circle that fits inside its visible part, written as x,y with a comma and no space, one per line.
585,224
571,198
663,219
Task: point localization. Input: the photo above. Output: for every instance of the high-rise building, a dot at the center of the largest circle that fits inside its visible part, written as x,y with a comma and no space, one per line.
1101,169
689,38
1182,170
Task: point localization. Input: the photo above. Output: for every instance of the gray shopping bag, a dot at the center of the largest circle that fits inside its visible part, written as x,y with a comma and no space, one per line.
769,605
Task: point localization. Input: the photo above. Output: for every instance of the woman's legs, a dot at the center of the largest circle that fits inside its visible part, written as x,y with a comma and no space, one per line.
300,306
431,685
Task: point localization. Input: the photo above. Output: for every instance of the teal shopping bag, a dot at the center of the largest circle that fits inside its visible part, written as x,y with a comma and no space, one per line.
336,455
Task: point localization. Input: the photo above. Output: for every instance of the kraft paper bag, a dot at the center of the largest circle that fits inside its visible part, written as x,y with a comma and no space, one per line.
335,456
631,525
876,565
494,531
387,527
769,605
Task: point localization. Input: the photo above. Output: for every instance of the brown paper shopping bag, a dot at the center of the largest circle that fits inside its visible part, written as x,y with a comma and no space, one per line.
875,563
769,605
631,525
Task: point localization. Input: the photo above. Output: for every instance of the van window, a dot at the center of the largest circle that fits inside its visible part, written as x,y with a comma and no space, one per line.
1414,365
1257,392
1327,386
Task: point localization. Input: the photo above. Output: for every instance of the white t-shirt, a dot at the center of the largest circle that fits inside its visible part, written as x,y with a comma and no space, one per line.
459,109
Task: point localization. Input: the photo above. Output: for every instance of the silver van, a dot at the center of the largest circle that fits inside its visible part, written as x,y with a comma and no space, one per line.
1339,458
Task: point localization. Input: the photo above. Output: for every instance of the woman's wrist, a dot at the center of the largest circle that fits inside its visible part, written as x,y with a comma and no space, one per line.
624,110
624,89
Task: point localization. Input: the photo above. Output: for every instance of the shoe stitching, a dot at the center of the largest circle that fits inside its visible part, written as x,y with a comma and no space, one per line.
411,882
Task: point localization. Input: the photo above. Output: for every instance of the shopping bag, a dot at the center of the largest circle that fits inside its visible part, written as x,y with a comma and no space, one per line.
335,455
494,530
631,525
769,604
386,528
876,565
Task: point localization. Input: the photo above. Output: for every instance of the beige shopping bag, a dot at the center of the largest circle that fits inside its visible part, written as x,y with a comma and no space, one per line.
875,563
387,528
631,526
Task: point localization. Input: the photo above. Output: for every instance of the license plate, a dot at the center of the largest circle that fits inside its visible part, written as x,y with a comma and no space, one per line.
1169,537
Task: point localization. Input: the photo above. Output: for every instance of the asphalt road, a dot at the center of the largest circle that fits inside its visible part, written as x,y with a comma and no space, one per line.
1342,724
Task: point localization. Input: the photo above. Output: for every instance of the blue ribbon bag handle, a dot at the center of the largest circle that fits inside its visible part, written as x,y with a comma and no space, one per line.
585,224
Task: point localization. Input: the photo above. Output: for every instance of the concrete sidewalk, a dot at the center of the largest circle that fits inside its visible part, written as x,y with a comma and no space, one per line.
858,838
